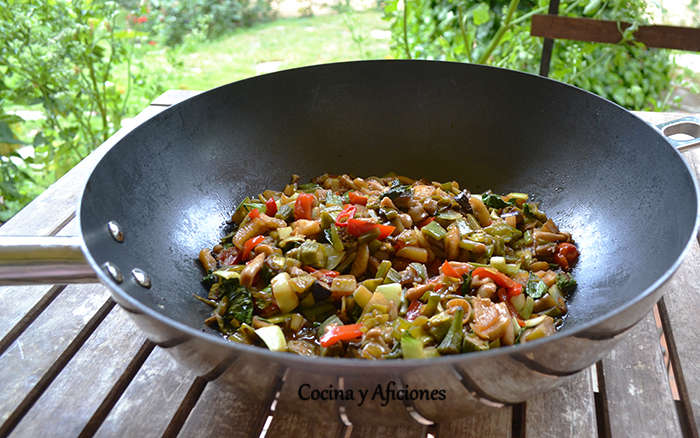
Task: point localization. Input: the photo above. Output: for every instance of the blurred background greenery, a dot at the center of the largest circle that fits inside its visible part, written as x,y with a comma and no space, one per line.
72,71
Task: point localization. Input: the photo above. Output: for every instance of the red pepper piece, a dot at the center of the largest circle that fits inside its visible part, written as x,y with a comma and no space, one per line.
250,244
436,283
455,269
566,255
303,206
358,227
254,213
341,333
271,207
515,290
345,215
357,198
325,275
329,273
413,310
448,270
385,231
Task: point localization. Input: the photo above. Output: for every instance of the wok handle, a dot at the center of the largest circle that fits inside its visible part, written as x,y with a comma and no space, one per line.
687,125
43,260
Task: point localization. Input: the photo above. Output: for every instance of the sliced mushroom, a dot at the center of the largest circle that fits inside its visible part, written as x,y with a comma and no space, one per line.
452,242
480,211
487,290
207,260
251,270
306,227
259,225
416,292
359,265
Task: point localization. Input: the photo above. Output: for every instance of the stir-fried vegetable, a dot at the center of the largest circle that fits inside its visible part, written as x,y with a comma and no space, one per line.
386,268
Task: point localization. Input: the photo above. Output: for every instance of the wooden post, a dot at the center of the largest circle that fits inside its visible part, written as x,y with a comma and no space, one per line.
548,43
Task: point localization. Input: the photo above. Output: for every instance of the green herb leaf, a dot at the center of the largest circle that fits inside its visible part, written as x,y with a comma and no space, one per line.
535,288
209,279
566,283
467,285
240,302
530,210
400,191
493,201
308,187
481,14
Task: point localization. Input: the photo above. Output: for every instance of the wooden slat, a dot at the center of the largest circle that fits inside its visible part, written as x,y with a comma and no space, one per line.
604,31
27,355
293,416
487,421
236,404
360,431
637,387
495,424
295,425
678,311
68,404
568,410
391,412
150,400
33,353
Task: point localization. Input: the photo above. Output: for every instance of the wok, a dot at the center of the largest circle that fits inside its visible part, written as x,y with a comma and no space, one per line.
166,190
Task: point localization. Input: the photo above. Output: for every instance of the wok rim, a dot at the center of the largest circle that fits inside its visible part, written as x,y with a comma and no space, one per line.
234,348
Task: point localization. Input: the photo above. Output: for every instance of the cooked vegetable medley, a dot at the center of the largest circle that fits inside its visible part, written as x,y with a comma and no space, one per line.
387,268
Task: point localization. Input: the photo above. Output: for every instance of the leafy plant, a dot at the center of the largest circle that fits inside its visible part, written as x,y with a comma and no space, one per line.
497,32
57,59
172,20
346,11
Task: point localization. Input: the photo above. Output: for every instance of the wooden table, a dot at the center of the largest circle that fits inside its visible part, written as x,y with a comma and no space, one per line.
73,363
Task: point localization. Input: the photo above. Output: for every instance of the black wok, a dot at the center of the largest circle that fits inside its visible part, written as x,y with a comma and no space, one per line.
615,182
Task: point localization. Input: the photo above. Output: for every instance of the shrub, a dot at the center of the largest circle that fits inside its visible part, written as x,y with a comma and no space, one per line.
59,58
172,20
497,32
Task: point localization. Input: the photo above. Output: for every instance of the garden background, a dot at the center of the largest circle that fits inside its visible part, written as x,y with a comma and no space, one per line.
73,71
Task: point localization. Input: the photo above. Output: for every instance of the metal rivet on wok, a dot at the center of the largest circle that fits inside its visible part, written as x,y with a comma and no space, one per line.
116,231
141,277
113,271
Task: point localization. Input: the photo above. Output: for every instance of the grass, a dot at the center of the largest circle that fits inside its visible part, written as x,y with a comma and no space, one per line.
276,45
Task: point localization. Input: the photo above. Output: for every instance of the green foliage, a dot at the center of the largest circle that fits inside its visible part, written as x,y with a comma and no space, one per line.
497,32
240,302
171,21
57,59
566,283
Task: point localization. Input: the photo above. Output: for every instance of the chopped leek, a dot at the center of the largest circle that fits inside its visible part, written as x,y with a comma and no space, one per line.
273,337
